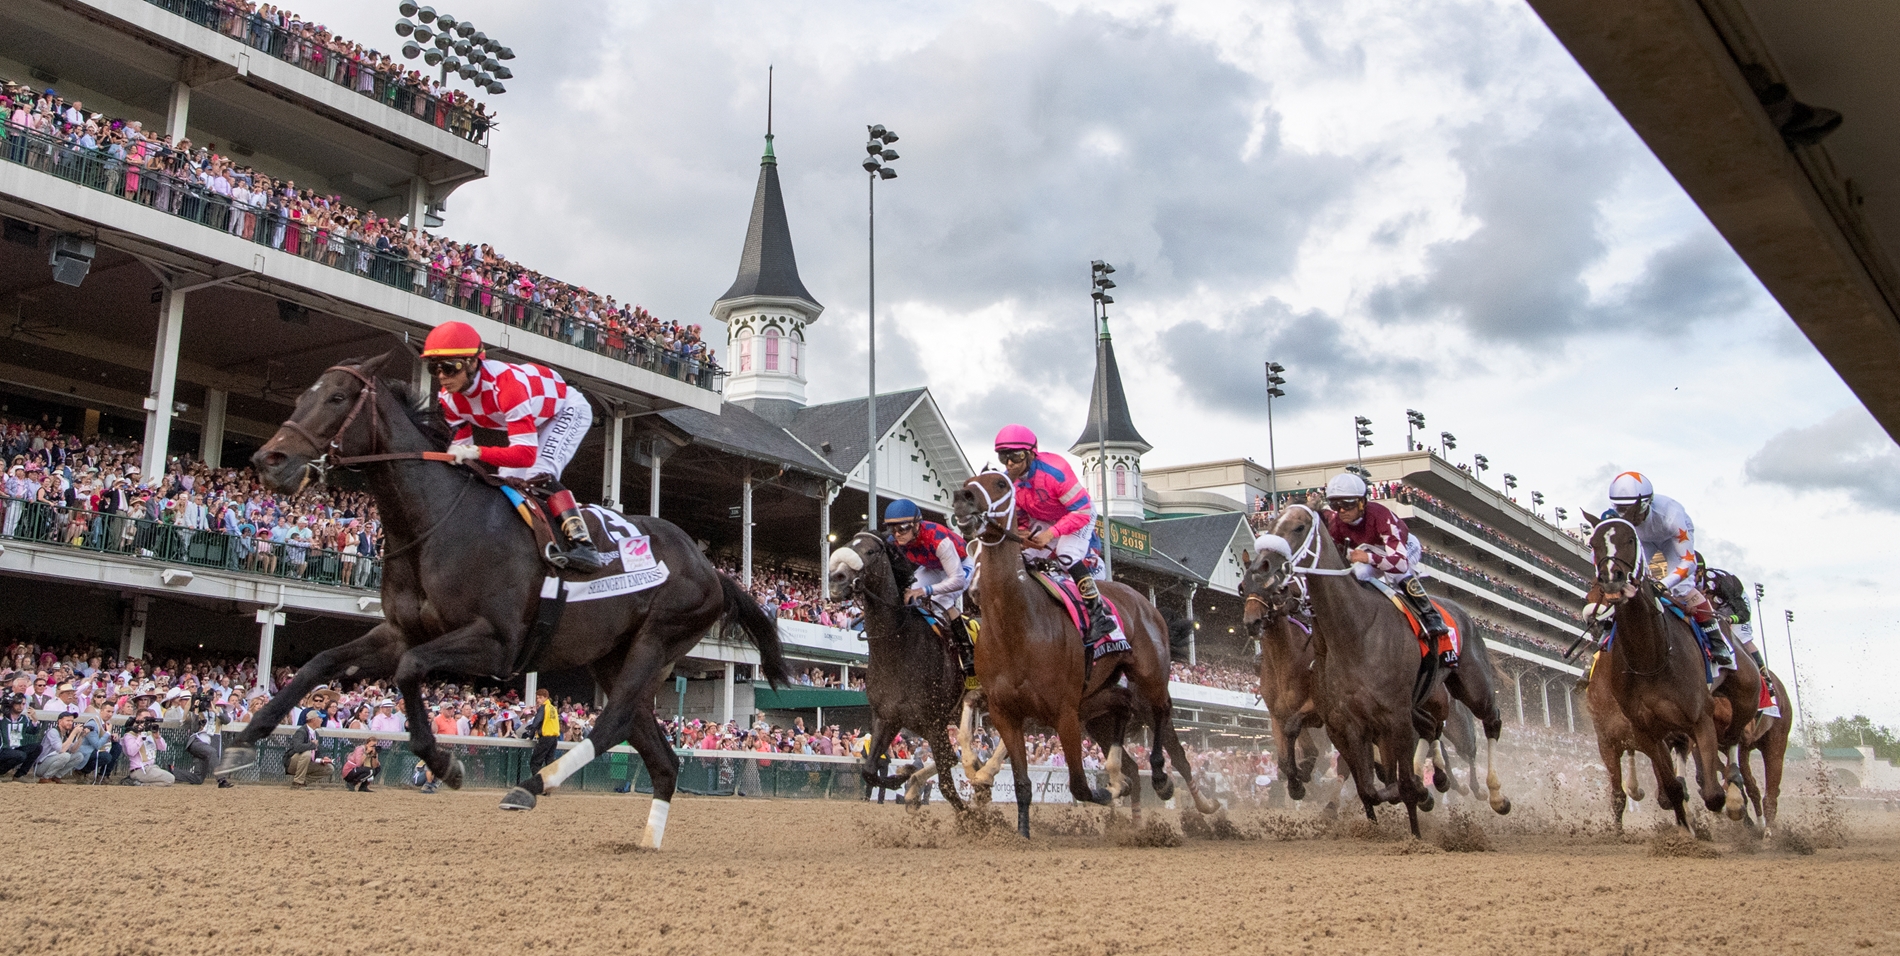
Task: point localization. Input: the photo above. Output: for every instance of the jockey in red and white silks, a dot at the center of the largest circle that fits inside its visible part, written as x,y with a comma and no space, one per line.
544,418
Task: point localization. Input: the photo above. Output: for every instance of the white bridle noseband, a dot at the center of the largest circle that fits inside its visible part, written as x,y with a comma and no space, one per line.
1306,556
994,508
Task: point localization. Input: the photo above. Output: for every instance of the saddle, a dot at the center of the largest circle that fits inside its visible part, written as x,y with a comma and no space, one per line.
1062,587
1453,641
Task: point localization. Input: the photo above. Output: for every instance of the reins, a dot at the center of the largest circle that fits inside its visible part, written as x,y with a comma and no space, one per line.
1309,550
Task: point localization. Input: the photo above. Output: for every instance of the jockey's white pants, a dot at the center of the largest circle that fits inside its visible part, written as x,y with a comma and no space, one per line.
1414,553
931,577
1067,549
559,438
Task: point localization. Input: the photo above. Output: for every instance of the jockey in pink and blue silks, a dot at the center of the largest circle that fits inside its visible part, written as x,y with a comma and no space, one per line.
1054,512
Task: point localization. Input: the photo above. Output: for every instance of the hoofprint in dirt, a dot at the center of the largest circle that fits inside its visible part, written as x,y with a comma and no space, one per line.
274,870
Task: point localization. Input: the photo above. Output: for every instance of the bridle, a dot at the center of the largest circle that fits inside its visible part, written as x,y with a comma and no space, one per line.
328,454
1306,556
1003,508
1628,568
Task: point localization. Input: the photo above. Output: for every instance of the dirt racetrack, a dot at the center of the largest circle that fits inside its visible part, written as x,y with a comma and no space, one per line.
265,869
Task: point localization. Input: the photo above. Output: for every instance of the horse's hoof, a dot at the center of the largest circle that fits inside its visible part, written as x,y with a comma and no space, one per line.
236,758
1164,787
1427,804
518,799
1502,807
454,777
1441,781
1295,790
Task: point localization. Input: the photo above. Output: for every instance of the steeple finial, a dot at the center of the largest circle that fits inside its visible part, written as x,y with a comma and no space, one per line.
768,157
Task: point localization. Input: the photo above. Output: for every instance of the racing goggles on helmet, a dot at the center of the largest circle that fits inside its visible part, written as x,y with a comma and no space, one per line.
1014,455
450,366
1345,504
900,525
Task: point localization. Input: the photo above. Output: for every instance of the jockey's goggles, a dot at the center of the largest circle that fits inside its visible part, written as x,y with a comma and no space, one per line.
439,367
1345,504
1013,456
901,525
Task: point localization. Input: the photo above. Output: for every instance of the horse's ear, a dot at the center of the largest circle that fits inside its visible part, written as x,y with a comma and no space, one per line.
1246,559
375,365
1587,516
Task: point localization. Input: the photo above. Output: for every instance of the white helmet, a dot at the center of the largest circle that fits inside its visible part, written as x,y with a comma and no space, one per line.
1346,485
1630,488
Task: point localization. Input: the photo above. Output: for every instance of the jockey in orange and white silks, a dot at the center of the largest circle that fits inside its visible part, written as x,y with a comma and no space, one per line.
543,416
1057,515
1663,527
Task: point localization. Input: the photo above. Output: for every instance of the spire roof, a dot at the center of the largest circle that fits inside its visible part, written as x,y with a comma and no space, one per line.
767,265
1116,424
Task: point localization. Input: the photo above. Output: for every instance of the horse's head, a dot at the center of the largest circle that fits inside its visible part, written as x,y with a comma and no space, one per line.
334,416
868,566
985,507
1617,555
1264,582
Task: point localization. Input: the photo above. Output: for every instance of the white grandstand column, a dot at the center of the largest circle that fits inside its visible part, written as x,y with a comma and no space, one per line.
158,410
653,479
844,675
418,201
824,538
178,110
211,440
1570,707
533,681
1543,695
267,621
725,703
132,642
1517,691
745,530
610,468
1192,590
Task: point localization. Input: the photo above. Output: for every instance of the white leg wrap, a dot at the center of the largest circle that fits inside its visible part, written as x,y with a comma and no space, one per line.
1115,785
1419,753
569,764
656,824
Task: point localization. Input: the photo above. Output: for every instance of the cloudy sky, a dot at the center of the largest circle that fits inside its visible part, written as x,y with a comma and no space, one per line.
1410,205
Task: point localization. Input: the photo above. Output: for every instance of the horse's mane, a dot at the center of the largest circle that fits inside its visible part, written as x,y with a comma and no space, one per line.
423,411
904,572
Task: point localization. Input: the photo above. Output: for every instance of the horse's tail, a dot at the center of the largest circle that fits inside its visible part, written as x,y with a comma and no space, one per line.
1180,636
744,614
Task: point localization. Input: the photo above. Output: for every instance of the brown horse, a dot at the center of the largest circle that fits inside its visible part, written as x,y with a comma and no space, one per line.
1615,738
1656,674
1286,680
1033,665
1770,736
1368,672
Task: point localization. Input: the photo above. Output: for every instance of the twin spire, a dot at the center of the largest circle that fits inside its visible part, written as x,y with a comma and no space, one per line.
766,264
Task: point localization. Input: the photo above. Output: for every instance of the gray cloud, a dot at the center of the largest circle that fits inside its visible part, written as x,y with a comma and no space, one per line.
1220,365
1846,452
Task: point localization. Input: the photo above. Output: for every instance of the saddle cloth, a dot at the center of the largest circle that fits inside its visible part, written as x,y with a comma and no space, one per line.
604,526
1453,641
1062,587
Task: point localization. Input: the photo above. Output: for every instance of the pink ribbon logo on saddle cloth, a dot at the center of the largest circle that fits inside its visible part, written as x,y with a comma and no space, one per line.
1063,589
1452,641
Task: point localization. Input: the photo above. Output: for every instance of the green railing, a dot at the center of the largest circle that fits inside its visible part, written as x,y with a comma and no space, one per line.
500,762
397,93
273,226
169,543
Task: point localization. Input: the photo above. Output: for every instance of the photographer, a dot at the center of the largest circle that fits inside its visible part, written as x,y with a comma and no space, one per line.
59,748
202,721
362,765
19,741
142,747
301,761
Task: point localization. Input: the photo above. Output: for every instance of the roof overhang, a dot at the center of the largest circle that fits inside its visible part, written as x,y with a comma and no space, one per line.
1807,219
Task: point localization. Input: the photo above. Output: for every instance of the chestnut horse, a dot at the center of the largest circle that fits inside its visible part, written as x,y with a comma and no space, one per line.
1770,736
1615,737
1657,676
1368,669
1033,665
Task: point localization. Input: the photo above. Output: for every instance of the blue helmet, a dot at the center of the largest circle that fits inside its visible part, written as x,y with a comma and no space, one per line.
903,509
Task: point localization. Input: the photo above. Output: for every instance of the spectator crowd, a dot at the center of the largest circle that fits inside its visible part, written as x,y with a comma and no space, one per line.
89,493
45,131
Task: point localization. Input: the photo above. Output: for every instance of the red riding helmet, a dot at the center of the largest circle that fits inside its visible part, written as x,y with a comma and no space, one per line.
452,340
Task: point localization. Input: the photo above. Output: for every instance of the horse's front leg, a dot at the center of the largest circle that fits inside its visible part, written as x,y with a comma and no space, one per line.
941,747
473,648
1708,767
1069,731
370,657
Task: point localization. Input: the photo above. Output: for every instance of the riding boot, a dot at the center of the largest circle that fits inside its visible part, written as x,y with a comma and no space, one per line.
1719,653
1101,624
1754,654
966,649
580,554
1428,616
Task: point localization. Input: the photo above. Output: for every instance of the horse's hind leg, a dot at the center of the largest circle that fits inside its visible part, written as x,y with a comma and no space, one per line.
370,657
1500,804
1170,739
944,751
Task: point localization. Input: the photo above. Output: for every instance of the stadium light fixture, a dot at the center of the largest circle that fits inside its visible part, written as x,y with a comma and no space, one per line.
1276,378
878,155
1413,419
1099,284
460,49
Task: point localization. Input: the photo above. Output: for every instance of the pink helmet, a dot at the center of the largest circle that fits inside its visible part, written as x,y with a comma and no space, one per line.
1013,437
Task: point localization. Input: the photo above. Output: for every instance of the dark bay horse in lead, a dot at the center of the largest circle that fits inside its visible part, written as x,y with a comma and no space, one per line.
462,581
